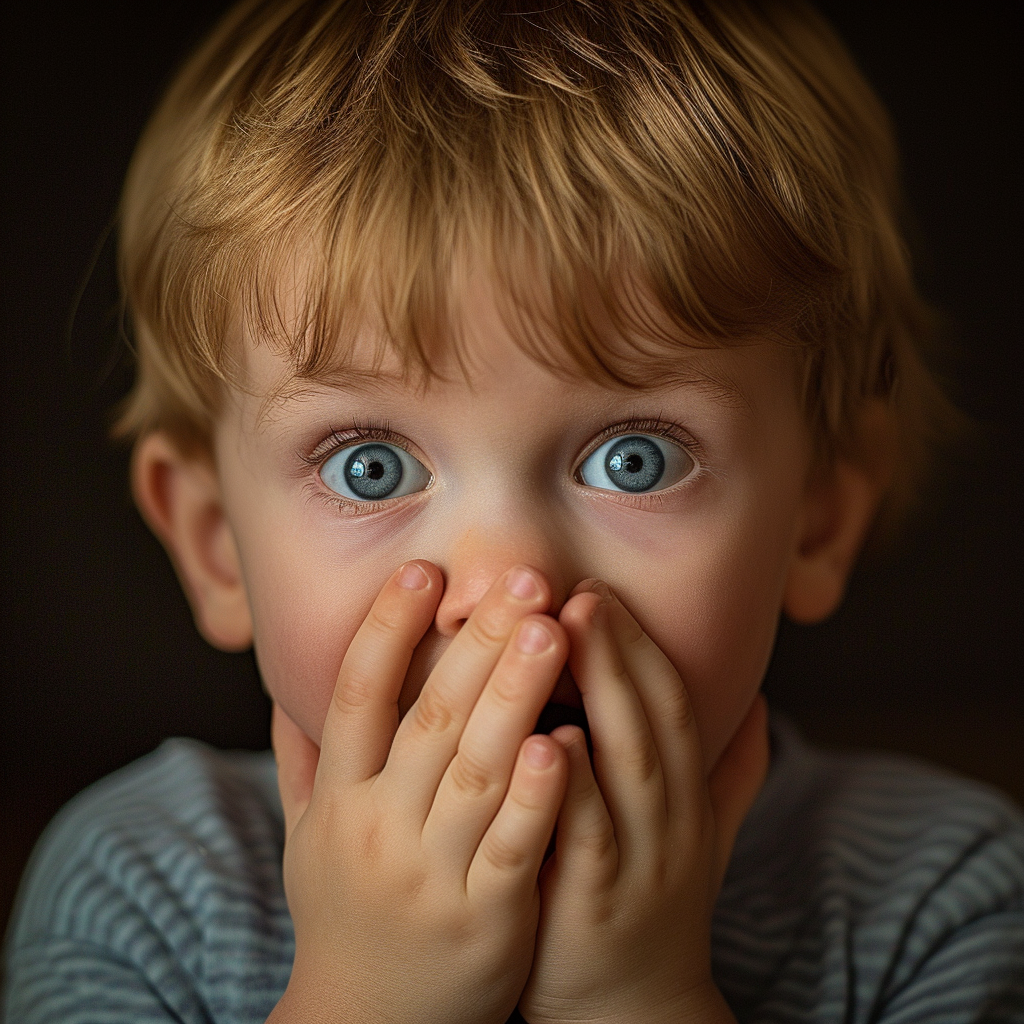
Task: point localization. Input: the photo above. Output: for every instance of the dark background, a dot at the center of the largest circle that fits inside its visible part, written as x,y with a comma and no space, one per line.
99,657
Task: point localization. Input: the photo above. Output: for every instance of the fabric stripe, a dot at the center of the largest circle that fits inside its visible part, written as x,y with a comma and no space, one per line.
863,890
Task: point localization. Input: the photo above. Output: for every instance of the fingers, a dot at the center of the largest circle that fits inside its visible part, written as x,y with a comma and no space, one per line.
627,763
297,756
585,847
737,778
429,735
662,695
363,714
510,854
475,782
667,707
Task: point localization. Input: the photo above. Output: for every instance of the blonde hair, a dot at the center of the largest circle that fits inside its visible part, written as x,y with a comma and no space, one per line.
728,155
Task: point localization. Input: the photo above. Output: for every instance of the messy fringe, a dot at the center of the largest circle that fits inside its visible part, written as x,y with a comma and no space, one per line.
321,164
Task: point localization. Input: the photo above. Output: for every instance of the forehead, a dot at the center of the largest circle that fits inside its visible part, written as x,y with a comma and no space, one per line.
492,338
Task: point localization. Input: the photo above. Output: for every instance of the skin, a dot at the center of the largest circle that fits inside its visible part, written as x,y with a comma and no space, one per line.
706,565
403,715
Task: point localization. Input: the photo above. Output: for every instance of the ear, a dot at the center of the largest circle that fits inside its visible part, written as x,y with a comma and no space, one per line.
839,507
179,496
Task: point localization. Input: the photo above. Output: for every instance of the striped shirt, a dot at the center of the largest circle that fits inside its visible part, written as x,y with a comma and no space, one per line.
862,889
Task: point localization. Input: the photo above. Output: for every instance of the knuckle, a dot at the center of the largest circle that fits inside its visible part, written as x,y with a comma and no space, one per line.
432,713
382,619
469,778
324,818
387,623
677,710
641,762
355,692
598,844
412,884
370,843
502,856
525,799
487,630
505,691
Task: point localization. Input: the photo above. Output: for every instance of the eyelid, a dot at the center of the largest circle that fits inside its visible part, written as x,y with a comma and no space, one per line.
655,427
379,430
354,436
370,430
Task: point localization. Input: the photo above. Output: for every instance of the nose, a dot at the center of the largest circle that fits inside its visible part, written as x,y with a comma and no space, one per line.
477,556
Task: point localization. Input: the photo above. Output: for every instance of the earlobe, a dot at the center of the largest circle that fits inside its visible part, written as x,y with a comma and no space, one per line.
839,508
179,496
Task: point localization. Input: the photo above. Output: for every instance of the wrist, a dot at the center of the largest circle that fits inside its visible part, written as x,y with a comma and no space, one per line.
702,1005
314,1004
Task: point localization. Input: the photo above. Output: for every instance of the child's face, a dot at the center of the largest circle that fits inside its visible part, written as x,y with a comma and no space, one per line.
701,557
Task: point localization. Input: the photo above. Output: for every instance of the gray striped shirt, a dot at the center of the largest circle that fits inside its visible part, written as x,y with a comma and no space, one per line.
862,889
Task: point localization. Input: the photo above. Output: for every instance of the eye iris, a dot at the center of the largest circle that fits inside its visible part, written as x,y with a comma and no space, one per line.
635,463
373,471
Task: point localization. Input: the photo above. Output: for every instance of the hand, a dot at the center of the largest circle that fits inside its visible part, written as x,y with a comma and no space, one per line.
413,850
643,838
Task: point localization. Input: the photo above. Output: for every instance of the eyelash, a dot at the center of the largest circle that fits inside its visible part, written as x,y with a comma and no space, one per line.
368,430
652,500
380,430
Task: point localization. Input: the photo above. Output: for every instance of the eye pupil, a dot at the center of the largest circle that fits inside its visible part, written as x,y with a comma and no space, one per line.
373,471
635,463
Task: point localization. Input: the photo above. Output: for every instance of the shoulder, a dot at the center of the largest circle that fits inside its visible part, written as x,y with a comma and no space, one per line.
156,873
184,815
855,808
874,879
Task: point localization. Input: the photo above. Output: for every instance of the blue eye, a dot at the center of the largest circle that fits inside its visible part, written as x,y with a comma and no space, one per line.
636,463
374,471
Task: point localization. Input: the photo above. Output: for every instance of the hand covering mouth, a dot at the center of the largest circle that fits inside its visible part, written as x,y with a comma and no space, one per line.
564,708
553,715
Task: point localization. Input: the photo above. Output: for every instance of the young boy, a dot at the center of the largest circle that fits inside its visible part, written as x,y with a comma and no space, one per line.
503,374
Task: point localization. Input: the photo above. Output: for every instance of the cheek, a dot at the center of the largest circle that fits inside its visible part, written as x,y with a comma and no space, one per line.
711,603
724,640
305,614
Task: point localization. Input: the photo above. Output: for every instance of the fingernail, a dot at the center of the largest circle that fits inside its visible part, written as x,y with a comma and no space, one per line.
521,583
538,754
601,589
412,577
533,638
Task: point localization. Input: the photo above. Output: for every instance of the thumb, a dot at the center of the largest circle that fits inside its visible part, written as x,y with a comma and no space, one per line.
297,757
737,779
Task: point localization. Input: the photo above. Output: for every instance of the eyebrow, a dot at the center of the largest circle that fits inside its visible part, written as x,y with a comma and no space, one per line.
717,387
363,383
